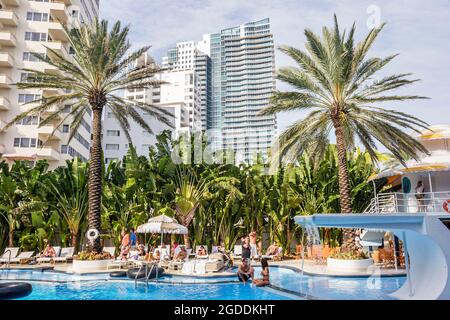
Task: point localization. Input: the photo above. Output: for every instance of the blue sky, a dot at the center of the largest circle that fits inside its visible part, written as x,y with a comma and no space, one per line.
418,30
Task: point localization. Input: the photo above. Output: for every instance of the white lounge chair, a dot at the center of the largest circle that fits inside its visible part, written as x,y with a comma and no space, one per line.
22,255
65,255
237,253
48,259
110,250
278,254
201,257
6,254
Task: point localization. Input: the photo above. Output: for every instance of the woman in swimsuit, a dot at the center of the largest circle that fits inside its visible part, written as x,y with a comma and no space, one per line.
265,274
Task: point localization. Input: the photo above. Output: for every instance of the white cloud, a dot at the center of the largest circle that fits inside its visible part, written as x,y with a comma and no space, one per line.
418,30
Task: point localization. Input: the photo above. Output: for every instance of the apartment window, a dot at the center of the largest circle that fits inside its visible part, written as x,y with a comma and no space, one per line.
71,50
64,149
81,140
28,121
35,36
65,128
25,142
66,109
24,77
85,125
26,98
30,56
112,146
37,16
113,133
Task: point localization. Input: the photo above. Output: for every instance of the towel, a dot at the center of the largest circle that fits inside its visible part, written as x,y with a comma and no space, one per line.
188,267
200,267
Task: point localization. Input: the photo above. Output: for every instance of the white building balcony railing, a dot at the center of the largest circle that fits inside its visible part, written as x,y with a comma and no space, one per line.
7,39
11,3
48,153
427,202
57,32
45,132
4,103
59,12
8,18
6,60
5,81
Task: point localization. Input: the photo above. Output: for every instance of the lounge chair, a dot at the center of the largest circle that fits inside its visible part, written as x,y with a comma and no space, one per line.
50,259
276,256
110,250
237,253
65,255
215,249
6,254
23,256
215,262
201,257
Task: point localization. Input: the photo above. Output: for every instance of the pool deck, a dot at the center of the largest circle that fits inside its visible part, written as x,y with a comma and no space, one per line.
310,268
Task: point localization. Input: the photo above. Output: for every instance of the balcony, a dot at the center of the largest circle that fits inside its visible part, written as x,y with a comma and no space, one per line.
7,39
59,12
11,3
8,18
66,2
45,133
52,110
48,153
5,81
6,60
4,103
56,32
396,202
48,92
59,48
52,70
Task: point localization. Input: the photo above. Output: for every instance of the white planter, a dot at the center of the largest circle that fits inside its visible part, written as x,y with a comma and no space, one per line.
90,265
348,265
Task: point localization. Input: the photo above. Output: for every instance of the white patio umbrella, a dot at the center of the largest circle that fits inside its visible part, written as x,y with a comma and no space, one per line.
162,224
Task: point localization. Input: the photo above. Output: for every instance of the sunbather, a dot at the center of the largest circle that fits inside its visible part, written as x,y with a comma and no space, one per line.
272,249
155,256
265,274
48,252
245,271
181,255
202,251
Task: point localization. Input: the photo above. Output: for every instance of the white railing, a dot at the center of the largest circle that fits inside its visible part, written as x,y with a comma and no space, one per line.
410,202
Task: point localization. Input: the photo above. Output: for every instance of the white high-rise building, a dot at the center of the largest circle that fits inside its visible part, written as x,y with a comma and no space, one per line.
28,26
179,94
236,68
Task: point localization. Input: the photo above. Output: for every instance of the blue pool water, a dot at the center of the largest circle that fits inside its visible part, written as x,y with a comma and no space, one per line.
50,285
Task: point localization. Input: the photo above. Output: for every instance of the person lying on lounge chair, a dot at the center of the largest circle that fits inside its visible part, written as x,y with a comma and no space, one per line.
272,249
245,271
202,251
48,252
265,274
155,256
181,255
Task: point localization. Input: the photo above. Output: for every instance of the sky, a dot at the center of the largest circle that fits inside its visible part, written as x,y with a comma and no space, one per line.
416,29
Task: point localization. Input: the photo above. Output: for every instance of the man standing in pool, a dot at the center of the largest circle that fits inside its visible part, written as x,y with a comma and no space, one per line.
245,271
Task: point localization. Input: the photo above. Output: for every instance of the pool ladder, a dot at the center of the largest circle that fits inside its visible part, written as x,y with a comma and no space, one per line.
147,273
7,265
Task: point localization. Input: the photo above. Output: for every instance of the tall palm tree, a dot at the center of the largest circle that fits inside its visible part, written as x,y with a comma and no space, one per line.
335,79
100,69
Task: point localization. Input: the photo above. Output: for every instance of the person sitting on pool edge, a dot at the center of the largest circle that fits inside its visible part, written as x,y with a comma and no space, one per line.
245,271
265,274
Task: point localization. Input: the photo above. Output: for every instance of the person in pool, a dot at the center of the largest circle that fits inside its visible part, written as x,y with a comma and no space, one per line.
265,274
245,271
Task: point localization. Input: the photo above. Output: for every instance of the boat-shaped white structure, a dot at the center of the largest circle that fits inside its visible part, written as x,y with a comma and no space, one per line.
420,220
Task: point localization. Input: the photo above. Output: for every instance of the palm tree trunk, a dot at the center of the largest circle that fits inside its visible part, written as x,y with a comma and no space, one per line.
95,177
74,239
344,187
186,241
11,238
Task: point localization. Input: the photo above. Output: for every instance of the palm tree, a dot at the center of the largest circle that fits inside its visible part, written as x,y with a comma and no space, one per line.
335,79
100,69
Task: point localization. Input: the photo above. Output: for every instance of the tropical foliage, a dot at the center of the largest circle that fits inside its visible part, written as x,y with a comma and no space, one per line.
338,83
229,201
100,68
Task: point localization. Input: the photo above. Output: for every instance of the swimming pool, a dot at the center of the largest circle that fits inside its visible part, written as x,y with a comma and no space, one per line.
50,285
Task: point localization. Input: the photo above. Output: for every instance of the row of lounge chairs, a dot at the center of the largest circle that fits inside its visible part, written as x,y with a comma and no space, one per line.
11,255
237,254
